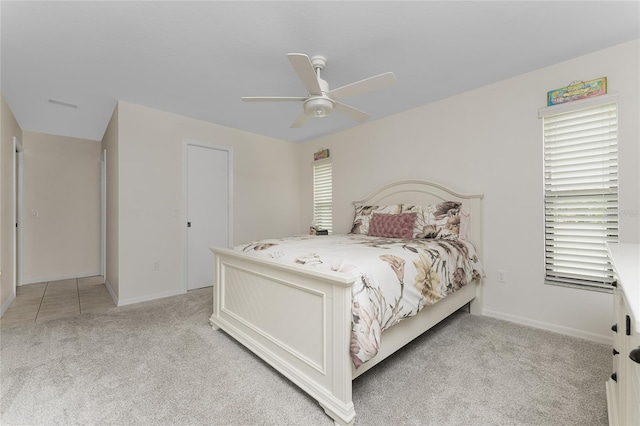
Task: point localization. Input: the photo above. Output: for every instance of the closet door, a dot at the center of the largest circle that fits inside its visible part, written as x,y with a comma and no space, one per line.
208,210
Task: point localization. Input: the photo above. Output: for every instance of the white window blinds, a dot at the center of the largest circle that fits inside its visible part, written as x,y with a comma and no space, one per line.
581,194
323,194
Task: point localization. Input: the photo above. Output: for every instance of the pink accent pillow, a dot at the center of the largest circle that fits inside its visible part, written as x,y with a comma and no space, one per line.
363,216
392,225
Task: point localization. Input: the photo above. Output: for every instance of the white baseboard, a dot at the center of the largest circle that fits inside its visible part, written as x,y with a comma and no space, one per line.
60,277
123,302
6,305
567,331
111,292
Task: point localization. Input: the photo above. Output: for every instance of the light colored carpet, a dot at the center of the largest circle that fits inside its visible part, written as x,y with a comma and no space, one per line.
159,363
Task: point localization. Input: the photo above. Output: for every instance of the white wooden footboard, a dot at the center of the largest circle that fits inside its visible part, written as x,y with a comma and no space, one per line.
297,321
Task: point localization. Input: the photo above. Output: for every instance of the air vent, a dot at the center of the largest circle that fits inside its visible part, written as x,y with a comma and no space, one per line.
61,103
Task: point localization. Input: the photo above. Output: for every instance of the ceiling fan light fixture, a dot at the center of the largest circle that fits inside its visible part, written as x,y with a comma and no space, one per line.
318,106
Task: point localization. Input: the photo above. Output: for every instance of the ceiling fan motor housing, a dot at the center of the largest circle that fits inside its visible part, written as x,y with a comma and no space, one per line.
322,105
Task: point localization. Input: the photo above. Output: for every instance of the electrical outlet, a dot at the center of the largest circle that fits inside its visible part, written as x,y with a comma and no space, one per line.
502,276
156,266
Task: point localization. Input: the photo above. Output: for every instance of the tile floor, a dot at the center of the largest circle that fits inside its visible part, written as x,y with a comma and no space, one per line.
35,303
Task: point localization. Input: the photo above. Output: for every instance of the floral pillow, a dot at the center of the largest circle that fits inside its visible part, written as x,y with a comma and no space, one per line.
363,216
445,220
392,225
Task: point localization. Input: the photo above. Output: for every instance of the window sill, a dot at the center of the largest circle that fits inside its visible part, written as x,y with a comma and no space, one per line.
581,287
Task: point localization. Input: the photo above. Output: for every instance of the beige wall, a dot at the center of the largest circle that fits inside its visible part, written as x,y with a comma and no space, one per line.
61,184
110,143
9,129
150,166
490,140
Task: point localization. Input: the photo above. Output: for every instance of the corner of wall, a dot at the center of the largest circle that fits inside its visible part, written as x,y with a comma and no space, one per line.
110,142
9,128
112,293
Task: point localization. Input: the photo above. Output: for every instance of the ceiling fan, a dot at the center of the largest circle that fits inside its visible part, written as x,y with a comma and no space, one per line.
321,101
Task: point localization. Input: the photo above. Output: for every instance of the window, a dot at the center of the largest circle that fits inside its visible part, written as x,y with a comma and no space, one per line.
580,193
323,194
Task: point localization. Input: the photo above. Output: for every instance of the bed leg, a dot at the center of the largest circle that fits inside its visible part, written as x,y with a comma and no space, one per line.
475,306
337,421
212,324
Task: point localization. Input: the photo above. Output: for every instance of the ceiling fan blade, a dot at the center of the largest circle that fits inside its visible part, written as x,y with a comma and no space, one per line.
363,86
351,112
273,99
300,120
302,66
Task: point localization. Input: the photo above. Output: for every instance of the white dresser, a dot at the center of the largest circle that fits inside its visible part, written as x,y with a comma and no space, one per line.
623,388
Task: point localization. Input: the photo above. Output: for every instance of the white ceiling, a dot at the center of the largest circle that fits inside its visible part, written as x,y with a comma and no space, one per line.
198,58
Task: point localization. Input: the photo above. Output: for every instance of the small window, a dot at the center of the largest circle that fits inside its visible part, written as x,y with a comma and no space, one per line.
323,194
580,195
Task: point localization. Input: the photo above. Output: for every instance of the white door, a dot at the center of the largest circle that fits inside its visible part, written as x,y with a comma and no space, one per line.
208,222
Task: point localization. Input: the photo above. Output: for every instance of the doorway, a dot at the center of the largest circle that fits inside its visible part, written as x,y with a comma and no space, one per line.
208,192
18,160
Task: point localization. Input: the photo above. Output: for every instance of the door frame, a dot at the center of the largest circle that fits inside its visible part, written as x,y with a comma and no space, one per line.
183,218
18,161
103,214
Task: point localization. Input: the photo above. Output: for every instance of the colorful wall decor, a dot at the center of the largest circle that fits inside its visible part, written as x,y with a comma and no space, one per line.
321,155
577,90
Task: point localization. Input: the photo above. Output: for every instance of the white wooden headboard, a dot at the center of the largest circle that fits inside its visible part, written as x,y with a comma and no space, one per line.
421,192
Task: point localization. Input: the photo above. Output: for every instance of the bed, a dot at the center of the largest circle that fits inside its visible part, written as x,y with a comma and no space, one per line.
312,344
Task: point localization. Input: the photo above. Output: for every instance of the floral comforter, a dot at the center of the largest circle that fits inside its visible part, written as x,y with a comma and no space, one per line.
397,277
